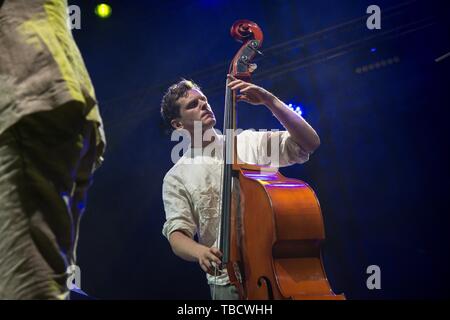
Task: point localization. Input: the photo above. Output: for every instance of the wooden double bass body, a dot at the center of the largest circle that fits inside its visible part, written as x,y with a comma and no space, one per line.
272,226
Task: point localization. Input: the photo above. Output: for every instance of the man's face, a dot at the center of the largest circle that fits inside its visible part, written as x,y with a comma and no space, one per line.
195,107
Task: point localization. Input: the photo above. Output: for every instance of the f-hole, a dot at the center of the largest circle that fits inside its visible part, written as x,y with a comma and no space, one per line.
264,281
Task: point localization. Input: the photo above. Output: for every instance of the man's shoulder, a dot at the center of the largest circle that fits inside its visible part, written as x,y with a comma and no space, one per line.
179,168
173,171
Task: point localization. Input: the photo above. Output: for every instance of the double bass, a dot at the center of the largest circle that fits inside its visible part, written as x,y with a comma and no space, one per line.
271,228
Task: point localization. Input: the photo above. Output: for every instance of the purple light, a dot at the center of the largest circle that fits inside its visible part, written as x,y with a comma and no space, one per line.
262,176
287,185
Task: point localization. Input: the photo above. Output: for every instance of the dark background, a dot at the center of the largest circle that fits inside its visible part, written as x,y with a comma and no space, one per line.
381,173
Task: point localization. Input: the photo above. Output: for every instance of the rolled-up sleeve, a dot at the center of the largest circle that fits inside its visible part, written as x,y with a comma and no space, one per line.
271,148
177,207
290,151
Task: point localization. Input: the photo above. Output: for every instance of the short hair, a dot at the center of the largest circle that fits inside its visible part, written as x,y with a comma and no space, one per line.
170,108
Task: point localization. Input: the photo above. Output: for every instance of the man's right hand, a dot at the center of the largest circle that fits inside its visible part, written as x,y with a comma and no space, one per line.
186,248
208,258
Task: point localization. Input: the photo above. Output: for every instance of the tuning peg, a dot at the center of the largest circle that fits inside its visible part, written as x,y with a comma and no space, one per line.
254,45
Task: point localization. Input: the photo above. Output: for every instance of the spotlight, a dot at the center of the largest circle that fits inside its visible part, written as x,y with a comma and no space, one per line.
377,65
103,10
295,108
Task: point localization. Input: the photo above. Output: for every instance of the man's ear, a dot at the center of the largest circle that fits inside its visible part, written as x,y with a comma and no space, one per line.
176,124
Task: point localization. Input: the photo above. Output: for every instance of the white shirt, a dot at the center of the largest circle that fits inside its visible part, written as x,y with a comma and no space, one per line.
191,188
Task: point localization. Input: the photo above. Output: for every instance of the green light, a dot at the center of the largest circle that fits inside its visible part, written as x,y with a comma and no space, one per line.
103,10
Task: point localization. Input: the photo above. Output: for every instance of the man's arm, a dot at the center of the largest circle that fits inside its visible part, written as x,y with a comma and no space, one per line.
300,130
187,249
180,227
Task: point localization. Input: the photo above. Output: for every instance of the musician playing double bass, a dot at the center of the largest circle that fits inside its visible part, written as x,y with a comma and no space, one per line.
191,188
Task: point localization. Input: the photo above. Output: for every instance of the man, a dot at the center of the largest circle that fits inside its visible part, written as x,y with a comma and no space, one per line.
51,139
191,188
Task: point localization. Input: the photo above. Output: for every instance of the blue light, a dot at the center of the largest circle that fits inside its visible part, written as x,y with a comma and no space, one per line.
373,49
81,206
296,108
